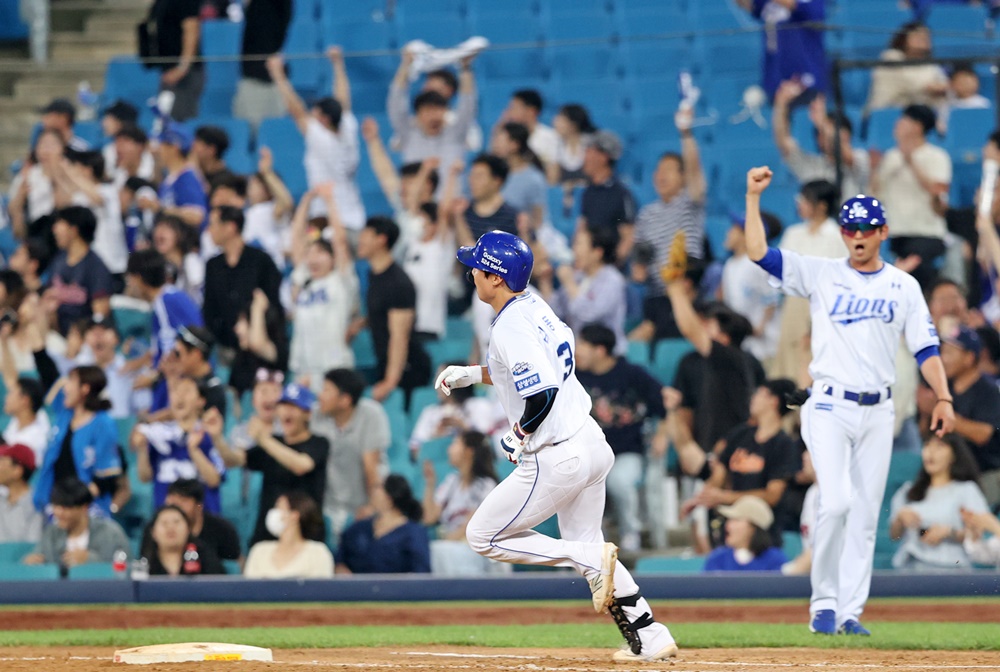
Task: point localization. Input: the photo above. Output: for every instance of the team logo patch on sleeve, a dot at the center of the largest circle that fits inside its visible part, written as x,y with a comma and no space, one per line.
521,368
528,382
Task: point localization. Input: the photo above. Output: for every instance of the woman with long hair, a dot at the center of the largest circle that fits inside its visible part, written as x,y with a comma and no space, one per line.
33,192
573,125
84,444
299,552
927,512
452,503
749,546
176,241
172,550
393,541
924,84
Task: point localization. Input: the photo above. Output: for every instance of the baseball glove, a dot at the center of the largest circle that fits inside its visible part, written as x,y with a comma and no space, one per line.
676,264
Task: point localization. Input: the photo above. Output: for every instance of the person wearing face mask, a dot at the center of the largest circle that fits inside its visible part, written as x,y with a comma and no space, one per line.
393,541
174,551
298,553
749,546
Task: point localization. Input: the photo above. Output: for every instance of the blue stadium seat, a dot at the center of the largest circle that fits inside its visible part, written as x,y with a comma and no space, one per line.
233,568
719,15
956,18
638,353
15,571
675,565
126,79
442,8
663,20
439,31
735,56
421,398
282,136
358,34
447,350
220,38
510,29
305,70
238,130
659,59
459,328
968,131
436,450
92,571
577,63
512,9
667,355
791,544
880,125
13,551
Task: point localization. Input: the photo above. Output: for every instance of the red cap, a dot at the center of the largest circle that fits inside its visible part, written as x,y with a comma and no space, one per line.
20,453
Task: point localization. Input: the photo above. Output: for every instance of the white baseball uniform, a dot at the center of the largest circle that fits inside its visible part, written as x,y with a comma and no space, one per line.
562,469
857,321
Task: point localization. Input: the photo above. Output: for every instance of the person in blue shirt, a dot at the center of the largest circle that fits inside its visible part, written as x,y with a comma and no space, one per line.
181,447
749,547
793,47
84,440
181,192
393,541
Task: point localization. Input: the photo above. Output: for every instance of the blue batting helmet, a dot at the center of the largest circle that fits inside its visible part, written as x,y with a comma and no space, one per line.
502,254
862,213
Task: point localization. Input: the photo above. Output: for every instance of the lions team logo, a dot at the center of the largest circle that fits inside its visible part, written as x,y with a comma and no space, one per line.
857,211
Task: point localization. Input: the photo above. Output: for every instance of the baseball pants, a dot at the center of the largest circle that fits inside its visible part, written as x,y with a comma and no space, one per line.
566,480
850,446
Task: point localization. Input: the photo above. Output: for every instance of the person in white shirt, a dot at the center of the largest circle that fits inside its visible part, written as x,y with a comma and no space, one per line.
819,236
963,94
908,180
33,190
128,156
269,210
428,262
29,424
525,108
746,290
100,340
83,178
299,552
982,537
326,294
330,130
923,84
176,242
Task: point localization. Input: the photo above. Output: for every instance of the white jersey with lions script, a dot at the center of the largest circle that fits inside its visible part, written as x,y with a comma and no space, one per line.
532,350
857,318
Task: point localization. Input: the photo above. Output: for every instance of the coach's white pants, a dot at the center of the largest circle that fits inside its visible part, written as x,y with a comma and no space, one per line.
850,446
566,480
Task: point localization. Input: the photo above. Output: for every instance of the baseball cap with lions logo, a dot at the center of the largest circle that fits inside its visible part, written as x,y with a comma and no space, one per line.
298,395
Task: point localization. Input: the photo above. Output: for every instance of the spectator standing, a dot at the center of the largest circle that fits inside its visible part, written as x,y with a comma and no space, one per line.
327,298
900,86
32,193
745,289
488,210
625,396
299,552
976,403
115,118
210,144
756,458
330,131
592,290
793,42
29,424
80,282
393,541
173,32
172,309
84,444
679,181
128,155
525,188
818,236
909,180
178,243
232,277
19,521
101,341
525,109
265,28
264,398
426,132
60,116
213,531
358,432
573,127
808,166
30,260
293,460
269,210
748,547
262,334
76,538
391,303
927,513
181,192
193,354
606,202
428,260
451,504
180,448
172,548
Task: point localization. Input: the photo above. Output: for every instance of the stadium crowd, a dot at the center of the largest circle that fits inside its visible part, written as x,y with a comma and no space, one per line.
283,337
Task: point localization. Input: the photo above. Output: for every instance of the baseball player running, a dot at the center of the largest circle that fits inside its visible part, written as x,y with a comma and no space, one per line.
561,453
860,306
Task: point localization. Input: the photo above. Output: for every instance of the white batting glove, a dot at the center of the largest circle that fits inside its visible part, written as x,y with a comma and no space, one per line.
458,376
514,442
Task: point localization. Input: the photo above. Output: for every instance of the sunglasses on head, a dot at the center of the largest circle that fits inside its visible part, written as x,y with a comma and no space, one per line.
270,376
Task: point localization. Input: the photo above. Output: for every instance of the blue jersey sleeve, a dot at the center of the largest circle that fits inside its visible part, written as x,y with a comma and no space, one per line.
105,444
188,191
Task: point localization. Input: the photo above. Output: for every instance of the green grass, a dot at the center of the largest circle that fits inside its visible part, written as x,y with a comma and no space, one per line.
917,636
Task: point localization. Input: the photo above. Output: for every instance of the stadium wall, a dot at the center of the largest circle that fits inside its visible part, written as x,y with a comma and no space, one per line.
743,585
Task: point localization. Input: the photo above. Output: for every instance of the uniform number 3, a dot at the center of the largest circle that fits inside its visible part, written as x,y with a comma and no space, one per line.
566,353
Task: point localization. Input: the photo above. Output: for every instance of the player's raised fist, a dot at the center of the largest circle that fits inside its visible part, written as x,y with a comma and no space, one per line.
758,179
